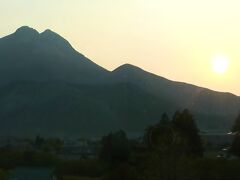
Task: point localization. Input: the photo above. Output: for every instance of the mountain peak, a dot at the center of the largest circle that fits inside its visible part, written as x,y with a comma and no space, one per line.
25,30
28,32
49,32
127,67
52,37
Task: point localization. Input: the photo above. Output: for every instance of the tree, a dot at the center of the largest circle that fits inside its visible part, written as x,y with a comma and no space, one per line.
164,119
170,142
159,135
115,147
177,136
184,125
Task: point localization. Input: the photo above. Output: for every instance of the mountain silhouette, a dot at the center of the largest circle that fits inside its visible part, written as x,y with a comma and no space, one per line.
48,88
213,110
27,55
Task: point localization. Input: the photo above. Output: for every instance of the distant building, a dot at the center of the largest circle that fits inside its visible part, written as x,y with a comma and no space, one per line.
32,174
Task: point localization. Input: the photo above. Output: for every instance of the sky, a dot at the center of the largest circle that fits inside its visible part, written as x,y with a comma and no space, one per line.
174,39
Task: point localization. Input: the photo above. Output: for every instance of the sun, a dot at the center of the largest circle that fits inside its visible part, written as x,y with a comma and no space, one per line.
220,64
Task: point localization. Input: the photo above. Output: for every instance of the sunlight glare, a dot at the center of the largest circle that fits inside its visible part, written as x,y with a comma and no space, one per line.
220,64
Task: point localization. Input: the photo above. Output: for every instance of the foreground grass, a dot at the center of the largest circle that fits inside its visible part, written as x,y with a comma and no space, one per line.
79,178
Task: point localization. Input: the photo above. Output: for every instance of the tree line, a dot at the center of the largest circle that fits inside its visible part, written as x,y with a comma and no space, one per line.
170,149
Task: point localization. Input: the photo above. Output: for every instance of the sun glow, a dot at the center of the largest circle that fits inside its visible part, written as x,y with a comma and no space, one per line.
220,64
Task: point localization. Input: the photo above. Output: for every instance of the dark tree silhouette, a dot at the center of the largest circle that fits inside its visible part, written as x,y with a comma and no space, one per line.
184,125
160,135
115,147
179,135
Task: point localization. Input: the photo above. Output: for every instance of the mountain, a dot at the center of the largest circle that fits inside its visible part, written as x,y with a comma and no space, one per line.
76,109
27,55
47,88
213,110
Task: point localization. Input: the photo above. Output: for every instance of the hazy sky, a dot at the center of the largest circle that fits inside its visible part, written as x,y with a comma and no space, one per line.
176,39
